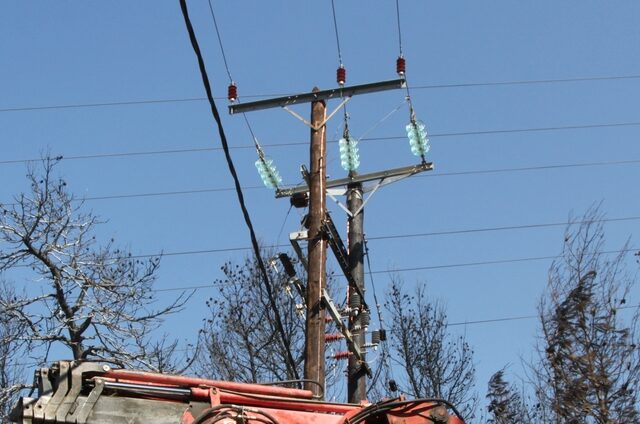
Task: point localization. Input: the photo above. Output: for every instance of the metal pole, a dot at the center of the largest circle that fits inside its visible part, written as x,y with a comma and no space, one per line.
357,377
314,365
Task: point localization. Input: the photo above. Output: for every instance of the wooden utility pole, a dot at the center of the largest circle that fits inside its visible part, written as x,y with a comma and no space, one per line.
357,373
314,365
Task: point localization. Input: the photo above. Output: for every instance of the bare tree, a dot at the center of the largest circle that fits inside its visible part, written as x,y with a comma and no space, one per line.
96,300
239,338
434,363
12,351
507,404
589,363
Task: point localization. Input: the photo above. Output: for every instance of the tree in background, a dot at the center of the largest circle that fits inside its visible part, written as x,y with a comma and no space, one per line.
240,335
239,338
589,363
95,300
12,352
434,363
506,405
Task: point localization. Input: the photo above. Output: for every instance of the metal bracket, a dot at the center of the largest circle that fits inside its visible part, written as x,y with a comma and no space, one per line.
344,192
296,115
320,125
294,238
339,203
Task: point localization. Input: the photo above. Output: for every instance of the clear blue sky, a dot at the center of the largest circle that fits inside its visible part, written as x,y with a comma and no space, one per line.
74,53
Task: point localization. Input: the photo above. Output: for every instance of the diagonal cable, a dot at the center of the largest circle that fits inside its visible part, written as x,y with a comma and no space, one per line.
254,241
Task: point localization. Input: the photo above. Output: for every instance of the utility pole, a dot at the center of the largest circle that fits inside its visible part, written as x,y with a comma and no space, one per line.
314,342
322,233
356,371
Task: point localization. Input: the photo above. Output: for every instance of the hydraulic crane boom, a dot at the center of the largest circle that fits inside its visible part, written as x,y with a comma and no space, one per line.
91,393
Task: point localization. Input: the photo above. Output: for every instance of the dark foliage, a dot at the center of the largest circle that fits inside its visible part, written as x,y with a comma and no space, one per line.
589,364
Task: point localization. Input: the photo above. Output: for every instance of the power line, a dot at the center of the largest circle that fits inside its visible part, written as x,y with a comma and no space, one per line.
500,228
290,144
419,268
512,318
167,193
398,25
487,321
435,174
451,324
396,236
538,129
403,236
418,87
481,263
245,213
531,168
335,27
528,82
224,56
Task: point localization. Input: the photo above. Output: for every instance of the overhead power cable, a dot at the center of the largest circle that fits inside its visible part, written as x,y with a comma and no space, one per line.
263,162
398,24
291,365
405,236
389,237
480,263
450,324
419,268
268,95
335,27
501,228
398,270
431,175
224,56
301,143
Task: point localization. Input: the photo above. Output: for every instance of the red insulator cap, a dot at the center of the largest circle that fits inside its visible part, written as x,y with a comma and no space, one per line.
233,92
342,355
333,337
341,75
400,66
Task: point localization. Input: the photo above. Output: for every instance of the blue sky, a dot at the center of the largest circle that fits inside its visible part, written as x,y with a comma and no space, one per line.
79,53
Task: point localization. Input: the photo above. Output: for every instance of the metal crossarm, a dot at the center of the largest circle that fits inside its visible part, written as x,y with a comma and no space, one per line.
388,176
334,93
